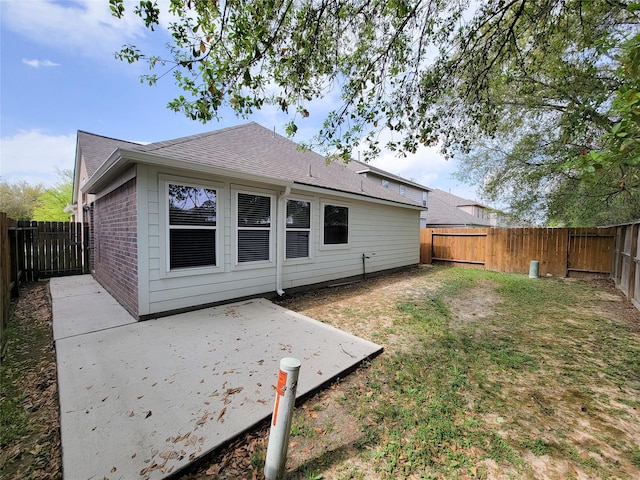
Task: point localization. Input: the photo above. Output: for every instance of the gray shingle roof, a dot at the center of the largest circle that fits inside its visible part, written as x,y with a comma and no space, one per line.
443,210
255,150
97,148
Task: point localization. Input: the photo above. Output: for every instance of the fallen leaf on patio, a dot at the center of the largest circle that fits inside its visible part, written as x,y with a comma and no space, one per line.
113,470
154,452
203,419
148,414
222,412
229,392
168,455
134,455
319,372
131,414
104,398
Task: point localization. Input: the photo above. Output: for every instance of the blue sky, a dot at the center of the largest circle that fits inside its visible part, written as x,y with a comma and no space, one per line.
58,75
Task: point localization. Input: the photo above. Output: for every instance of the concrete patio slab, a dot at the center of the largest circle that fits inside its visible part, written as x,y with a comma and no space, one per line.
81,305
143,400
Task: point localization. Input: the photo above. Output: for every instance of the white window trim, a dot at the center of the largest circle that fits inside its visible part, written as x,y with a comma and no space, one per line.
271,229
338,246
165,244
292,261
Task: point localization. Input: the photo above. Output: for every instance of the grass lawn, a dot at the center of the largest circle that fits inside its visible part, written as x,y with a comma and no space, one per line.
484,375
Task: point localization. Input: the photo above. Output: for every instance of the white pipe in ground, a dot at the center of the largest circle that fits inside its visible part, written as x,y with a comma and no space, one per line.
281,420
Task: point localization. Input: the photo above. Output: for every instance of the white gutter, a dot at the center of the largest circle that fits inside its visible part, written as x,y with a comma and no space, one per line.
281,223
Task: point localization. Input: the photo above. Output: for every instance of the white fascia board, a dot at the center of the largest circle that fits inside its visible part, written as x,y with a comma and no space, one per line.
121,158
76,173
364,197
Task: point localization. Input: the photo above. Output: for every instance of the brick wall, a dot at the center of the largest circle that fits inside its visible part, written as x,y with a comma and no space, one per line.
115,253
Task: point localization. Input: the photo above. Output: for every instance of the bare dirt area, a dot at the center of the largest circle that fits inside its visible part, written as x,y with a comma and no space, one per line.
540,379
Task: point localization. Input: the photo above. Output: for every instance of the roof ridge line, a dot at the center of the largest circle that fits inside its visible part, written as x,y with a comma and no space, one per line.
187,138
110,138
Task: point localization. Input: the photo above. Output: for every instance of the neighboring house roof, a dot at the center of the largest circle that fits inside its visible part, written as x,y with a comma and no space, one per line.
361,167
248,149
444,210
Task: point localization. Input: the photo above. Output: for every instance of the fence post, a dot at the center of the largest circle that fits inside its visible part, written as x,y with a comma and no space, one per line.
281,420
86,268
13,244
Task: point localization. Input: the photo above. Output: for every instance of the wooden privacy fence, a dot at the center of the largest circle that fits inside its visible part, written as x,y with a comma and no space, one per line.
50,249
5,275
559,251
33,250
626,272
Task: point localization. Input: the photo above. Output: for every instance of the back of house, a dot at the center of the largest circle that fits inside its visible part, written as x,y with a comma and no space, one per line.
233,213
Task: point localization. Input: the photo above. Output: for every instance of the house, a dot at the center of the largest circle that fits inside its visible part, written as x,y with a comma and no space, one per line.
448,210
406,188
237,212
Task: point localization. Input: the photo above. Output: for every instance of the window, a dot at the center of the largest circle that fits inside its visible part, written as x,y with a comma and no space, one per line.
298,229
424,199
254,228
336,225
403,190
192,226
385,183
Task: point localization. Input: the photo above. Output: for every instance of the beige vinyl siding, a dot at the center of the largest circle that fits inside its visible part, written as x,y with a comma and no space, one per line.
389,235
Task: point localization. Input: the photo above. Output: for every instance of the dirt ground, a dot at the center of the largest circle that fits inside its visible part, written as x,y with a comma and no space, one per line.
30,365
323,423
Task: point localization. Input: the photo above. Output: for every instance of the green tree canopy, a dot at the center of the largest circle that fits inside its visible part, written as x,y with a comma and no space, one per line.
530,95
53,201
18,200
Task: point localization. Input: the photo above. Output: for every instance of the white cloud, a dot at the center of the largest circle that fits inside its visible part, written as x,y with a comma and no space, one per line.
83,27
35,63
34,155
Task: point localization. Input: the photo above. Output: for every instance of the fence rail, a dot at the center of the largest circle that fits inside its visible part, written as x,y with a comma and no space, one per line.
559,251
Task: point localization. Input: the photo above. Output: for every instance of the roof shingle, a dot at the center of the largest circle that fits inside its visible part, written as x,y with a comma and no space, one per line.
251,149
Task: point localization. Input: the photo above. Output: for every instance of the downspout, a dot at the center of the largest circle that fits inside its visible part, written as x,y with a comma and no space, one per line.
280,235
